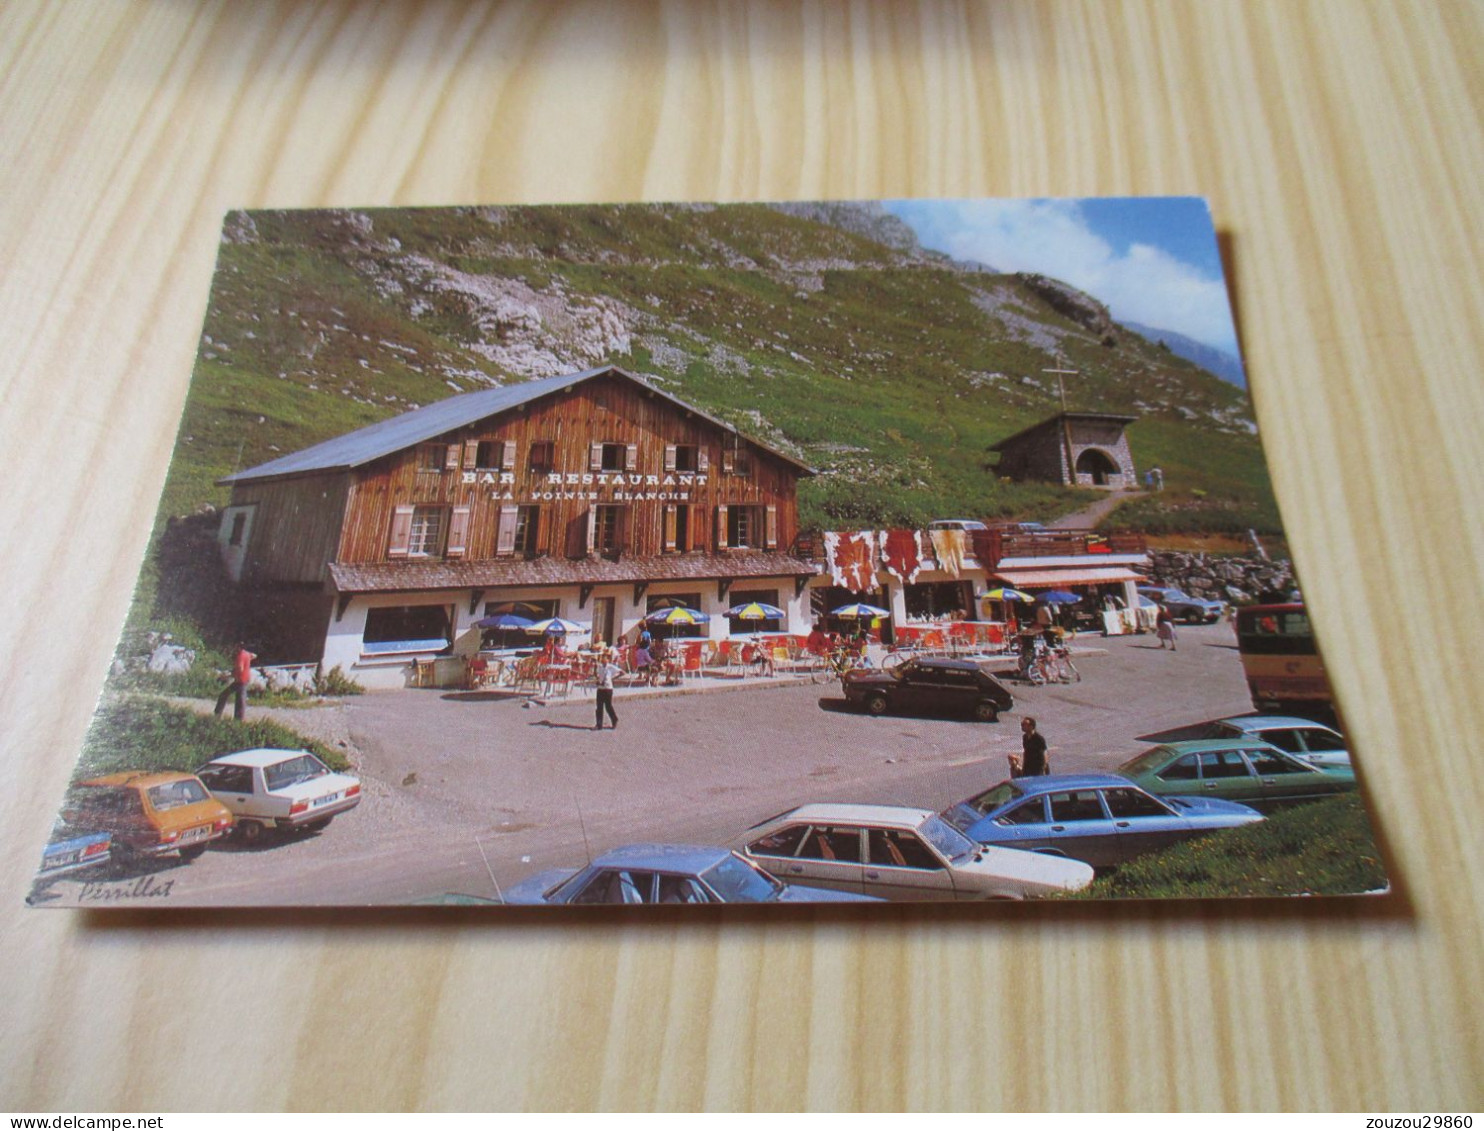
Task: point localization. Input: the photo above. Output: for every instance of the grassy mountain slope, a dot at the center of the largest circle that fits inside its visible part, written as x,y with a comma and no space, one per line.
888,368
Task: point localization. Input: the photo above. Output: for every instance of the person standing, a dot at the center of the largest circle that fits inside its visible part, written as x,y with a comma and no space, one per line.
1164,627
241,676
1033,761
606,673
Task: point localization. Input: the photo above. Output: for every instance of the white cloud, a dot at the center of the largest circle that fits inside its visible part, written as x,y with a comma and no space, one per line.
1144,284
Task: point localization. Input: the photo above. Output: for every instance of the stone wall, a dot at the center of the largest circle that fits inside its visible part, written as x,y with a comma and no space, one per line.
1240,580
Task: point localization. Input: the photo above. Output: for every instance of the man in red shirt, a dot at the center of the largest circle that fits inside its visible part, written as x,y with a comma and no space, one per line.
241,676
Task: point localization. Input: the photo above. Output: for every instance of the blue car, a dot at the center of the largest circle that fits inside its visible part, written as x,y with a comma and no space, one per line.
669,873
1101,819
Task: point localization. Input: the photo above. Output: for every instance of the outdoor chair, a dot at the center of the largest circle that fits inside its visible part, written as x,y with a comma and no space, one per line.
692,662
528,674
424,673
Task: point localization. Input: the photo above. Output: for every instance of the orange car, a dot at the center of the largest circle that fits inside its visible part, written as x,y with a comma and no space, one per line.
149,813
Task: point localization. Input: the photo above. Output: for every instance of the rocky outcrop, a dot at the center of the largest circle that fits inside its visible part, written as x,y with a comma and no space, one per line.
1236,580
1076,305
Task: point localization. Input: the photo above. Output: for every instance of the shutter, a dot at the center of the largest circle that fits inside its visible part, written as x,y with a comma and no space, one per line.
770,532
458,533
631,457
670,457
721,527
471,453
505,531
507,456
703,459
452,455
670,512
728,462
595,457
592,525
401,532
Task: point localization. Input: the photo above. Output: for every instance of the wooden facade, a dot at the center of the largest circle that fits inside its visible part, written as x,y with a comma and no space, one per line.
607,467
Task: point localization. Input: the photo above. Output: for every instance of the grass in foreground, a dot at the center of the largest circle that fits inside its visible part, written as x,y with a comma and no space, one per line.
1321,849
139,733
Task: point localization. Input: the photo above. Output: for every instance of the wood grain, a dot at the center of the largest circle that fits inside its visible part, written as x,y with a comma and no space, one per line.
1340,145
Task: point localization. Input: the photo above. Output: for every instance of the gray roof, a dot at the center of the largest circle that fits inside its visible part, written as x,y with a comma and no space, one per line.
355,449
1052,421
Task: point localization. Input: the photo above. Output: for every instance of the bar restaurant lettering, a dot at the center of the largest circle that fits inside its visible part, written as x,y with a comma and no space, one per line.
592,486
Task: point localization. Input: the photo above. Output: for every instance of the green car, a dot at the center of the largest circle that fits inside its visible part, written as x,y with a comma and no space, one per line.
1254,773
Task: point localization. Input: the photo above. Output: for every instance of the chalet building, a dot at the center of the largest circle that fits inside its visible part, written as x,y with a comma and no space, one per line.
594,496
1079,449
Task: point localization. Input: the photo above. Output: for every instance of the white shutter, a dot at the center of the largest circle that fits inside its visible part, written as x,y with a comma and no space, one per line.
631,457
721,527
458,533
670,450
592,529
507,456
505,532
703,459
471,453
595,457
728,462
770,531
670,512
401,532
452,455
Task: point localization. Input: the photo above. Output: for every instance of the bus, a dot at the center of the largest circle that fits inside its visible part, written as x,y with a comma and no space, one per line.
1281,660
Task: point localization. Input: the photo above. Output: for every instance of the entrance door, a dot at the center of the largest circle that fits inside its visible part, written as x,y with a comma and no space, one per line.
603,619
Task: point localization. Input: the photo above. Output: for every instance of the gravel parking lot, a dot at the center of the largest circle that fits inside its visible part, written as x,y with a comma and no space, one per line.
461,787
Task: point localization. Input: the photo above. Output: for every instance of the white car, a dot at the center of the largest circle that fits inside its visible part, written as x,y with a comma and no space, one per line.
1303,738
279,789
901,853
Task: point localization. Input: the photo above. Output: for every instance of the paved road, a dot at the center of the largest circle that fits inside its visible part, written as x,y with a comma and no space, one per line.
455,779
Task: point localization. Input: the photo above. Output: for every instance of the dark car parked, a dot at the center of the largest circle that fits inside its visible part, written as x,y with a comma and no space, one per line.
1183,607
929,686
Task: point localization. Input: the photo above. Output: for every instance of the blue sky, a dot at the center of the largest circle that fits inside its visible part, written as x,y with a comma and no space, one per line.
1150,259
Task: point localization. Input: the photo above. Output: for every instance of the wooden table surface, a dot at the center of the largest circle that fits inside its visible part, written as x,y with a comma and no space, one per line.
1340,145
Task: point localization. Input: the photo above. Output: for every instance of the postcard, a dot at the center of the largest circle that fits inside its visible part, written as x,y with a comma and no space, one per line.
712,553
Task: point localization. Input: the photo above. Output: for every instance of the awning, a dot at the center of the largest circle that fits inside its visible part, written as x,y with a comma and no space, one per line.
1050,578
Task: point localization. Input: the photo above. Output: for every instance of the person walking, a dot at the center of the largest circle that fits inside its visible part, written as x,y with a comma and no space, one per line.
241,676
1033,761
1164,627
606,673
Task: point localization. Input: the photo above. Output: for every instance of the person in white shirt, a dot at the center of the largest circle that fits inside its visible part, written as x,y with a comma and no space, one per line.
606,672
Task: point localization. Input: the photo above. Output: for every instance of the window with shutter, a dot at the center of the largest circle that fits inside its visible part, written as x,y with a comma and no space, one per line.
527,526
401,532
426,537
458,532
505,531
543,455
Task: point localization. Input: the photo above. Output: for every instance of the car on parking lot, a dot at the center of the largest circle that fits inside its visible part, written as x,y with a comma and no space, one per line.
1183,607
148,814
902,854
668,873
967,524
72,849
1303,738
1102,819
290,790
1245,770
929,685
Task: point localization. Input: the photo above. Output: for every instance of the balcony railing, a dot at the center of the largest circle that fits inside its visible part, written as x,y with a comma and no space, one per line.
990,547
